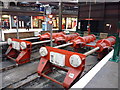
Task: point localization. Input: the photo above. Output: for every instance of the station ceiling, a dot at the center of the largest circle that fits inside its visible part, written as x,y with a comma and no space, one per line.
73,1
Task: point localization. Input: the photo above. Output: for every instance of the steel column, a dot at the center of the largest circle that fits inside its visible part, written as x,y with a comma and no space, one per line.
17,27
115,57
31,23
60,16
78,16
10,21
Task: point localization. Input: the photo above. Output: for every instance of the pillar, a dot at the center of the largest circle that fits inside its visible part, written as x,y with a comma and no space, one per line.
60,16
31,23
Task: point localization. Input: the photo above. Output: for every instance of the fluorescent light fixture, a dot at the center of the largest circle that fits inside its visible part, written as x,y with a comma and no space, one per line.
5,16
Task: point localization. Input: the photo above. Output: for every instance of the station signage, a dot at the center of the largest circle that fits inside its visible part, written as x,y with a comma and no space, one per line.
41,9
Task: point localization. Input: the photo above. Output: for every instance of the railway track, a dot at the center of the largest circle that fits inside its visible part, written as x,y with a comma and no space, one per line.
17,74
29,78
16,65
33,80
24,81
34,77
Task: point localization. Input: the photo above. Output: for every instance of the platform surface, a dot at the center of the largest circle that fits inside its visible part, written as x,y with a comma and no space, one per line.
107,77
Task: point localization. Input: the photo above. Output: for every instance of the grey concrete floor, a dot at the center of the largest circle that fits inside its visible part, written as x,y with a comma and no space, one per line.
107,77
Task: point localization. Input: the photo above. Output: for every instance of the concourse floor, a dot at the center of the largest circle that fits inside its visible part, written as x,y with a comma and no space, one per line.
107,77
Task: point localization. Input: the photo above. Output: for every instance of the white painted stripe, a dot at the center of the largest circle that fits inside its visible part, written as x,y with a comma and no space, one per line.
87,77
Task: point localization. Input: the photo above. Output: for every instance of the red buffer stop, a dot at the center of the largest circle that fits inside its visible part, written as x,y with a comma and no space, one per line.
53,57
75,62
46,36
19,50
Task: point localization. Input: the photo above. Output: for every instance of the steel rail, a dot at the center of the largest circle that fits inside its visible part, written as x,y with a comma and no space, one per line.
63,45
4,43
92,51
41,42
30,38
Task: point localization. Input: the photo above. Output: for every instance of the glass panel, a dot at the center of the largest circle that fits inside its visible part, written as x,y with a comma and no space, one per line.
23,21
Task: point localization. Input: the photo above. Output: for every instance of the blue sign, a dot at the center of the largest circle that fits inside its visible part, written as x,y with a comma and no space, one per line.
43,26
41,9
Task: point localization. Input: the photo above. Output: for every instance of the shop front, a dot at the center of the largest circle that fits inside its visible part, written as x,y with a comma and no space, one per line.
71,23
24,22
67,23
37,21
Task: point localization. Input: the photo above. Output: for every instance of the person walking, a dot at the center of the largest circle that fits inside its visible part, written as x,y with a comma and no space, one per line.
28,26
5,25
